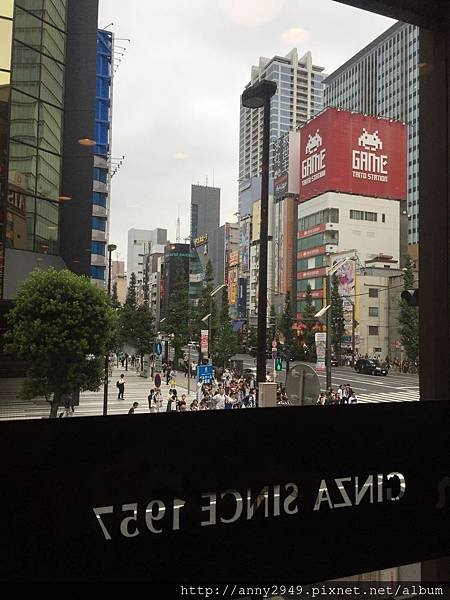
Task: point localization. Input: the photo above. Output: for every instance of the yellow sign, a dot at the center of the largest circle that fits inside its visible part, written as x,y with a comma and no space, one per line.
200,241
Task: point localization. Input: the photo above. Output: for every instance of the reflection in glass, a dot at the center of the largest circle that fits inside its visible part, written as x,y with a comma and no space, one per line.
27,29
53,42
52,81
55,12
5,44
26,68
50,127
48,178
22,167
24,118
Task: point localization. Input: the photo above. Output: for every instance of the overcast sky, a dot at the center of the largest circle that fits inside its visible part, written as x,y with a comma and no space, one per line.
177,92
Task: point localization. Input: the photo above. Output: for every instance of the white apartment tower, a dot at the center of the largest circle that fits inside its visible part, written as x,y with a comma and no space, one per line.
299,97
140,242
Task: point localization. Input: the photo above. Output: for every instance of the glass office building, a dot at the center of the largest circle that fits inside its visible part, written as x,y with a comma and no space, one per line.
32,69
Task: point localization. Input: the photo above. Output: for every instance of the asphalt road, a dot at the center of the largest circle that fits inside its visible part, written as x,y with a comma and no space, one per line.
395,387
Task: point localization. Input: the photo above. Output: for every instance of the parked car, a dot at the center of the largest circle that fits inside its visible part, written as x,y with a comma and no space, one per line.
370,366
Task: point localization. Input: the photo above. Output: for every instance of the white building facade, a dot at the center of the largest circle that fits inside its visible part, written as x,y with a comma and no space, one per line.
141,242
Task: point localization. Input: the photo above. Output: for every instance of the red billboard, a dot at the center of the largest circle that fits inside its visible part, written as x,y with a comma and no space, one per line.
353,153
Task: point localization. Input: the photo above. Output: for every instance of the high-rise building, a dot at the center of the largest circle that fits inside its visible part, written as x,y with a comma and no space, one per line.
299,97
102,158
139,241
205,210
382,79
175,268
47,104
352,184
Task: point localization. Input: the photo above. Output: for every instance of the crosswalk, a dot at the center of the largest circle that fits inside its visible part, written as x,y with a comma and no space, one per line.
137,389
399,395
394,388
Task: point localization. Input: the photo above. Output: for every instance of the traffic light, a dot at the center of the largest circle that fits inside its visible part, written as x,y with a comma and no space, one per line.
411,297
278,364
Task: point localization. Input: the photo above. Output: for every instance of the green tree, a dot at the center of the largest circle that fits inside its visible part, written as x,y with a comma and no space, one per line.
144,331
409,316
285,325
127,315
114,298
61,325
226,342
337,316
309,321
177,320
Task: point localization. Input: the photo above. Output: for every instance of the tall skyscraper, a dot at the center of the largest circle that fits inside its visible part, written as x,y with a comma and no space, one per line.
205,210
102,159
141,242
382,79
47,104
299,97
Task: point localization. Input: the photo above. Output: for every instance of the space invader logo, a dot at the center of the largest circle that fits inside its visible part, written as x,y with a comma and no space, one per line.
369,163
314,167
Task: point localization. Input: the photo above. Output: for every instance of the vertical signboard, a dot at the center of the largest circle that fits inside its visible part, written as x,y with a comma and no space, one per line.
281,167
204,341
242,298
245,245
321,350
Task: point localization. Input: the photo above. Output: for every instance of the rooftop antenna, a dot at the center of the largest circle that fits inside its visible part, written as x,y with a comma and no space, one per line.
178,227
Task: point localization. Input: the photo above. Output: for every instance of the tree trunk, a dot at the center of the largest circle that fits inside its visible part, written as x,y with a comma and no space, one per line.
55,405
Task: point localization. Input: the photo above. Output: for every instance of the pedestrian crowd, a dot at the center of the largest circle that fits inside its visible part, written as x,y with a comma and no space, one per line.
343,395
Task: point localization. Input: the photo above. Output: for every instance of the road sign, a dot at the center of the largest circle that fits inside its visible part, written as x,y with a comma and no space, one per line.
274,355
278,364
205,373
158,349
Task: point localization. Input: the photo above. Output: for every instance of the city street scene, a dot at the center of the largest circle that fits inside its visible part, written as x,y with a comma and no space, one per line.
218,211
310,258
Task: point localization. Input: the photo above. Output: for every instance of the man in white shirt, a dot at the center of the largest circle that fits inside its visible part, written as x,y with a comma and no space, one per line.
219,400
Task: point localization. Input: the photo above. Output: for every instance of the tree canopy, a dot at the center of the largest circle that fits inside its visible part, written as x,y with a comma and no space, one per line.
62,327
409,316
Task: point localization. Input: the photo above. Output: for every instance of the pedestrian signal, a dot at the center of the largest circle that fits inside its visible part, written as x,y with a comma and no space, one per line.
278,364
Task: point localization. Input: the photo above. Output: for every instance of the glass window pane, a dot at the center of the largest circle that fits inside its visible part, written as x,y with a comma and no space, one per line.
6,8
52,81
22,167
55,12
33,6
26,69
24,118
5,44
45,234
16,221
50,127
53,42
49,174
27,29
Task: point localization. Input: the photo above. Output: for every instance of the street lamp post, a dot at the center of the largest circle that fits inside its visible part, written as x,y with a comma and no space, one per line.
258,96
111,249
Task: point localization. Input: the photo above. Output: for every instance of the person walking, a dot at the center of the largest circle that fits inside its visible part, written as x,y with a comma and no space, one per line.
121,387
168,371
340,394
345,394
133,408
151,401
